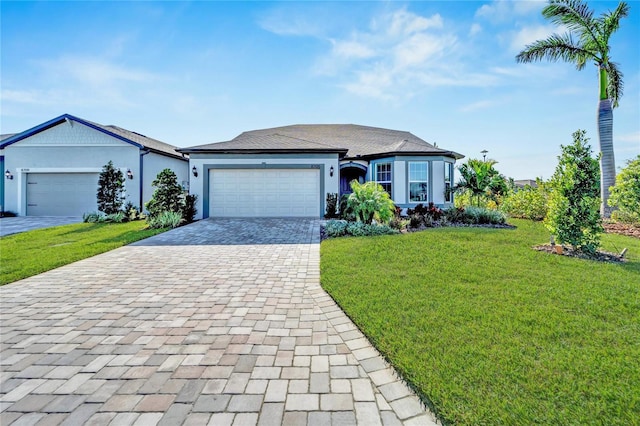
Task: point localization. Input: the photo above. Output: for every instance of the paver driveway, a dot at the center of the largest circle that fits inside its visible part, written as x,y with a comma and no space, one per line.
219,322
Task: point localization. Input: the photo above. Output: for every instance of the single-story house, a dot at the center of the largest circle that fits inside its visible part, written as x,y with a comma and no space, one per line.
52,169
290,170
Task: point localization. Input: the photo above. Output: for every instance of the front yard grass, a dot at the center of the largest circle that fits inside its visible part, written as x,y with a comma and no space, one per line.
30,253
489,331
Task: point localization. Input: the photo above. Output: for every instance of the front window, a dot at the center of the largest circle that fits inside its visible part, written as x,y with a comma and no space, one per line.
383,176
418,182
448,178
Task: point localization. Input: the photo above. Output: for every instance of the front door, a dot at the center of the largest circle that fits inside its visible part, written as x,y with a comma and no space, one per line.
347,175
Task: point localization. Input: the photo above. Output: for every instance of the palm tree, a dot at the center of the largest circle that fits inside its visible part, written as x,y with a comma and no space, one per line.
587,40
479,178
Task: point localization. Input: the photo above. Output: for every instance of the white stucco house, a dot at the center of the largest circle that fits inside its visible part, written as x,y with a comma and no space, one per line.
52,169
288,171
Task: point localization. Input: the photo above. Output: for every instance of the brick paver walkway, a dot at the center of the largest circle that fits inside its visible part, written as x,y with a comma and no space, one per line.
221,322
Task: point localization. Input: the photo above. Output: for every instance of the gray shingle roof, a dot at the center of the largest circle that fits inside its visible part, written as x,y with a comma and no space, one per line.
118,132
147,142
350,140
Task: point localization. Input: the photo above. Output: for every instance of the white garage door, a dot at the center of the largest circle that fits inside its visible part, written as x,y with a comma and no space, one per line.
61,194
264,193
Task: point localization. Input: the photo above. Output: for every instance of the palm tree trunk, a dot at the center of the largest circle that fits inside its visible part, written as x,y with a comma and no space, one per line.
607,160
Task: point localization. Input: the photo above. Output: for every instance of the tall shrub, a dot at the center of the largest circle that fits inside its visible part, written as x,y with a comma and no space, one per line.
574,204
370,201
625,195
168,196
528,202
111,190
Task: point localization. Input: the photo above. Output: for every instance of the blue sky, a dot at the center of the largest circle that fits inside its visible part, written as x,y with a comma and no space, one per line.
190,73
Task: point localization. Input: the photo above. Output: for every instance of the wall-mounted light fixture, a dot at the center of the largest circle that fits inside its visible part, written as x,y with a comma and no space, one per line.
8,174
129,174
194,170
331,171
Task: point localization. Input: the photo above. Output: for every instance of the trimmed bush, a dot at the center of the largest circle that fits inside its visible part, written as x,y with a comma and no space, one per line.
336,228
527,203
341,228
484,216
92,217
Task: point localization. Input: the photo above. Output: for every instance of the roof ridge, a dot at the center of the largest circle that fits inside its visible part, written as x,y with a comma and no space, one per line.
308,141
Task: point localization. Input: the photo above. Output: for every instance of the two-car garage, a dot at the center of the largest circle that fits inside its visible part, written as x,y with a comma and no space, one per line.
264,192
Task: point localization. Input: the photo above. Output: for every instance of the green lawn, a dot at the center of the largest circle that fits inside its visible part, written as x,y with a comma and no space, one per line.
492,332
30,253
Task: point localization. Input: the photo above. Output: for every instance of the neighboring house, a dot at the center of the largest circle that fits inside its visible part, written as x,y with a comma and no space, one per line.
52,169
521,183
288,171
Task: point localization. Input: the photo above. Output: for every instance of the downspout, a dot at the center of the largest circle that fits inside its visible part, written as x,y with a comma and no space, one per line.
143,152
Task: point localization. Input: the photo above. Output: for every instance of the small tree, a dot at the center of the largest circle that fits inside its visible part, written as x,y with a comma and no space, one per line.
370,201
479,179
573,217
625,195
111,191
168,196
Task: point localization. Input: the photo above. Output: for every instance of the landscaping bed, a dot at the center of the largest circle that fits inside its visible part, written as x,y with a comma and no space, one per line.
622,229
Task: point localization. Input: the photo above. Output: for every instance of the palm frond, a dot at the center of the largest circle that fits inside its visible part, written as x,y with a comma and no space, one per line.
610,22
557,47
574,14
615,84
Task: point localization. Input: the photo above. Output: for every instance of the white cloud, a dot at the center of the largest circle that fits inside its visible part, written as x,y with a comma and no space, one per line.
505,10
399,54
407,23
288,21
351,49
630,137
95,71
21,96
529,34
475,106
76,82
475,29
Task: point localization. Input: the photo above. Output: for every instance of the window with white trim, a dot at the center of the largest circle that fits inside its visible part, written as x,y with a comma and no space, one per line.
418,181
448,180
383,176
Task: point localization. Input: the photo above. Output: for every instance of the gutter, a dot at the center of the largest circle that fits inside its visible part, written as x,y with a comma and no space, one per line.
143,152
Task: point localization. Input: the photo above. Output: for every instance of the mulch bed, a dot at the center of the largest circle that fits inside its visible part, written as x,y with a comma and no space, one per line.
622,229
600,256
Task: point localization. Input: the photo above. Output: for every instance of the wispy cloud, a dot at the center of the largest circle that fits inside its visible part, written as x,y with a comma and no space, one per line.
528,34
475,29
76,81
95,71
398,54
480,105
505,10
633,137
289,21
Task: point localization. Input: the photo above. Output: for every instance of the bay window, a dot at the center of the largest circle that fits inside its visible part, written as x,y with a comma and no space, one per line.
418,181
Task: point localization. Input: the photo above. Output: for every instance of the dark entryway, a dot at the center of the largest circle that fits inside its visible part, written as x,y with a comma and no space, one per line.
349,172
